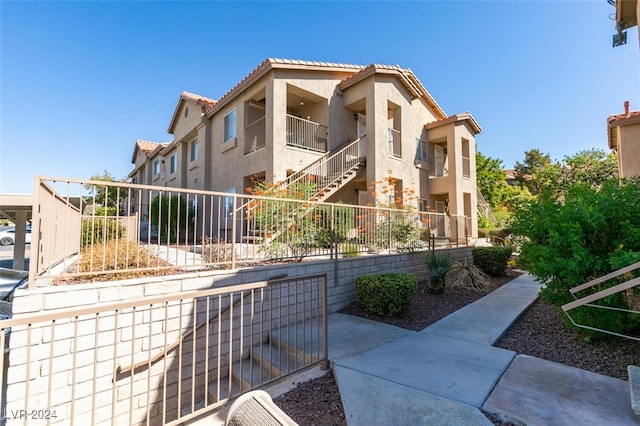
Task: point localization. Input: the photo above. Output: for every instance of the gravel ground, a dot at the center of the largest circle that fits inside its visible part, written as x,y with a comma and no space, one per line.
540,332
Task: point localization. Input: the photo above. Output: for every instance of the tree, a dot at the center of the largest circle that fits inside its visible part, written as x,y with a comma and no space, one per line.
490,178
592,167
170,214
529,174
103,198
503,199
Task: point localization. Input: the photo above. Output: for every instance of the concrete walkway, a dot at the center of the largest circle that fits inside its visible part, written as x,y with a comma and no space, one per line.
447,373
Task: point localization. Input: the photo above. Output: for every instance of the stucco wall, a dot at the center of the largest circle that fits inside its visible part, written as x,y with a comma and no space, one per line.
72,361
629,150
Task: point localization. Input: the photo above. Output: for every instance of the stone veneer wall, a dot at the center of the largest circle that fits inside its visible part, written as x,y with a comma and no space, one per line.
60,362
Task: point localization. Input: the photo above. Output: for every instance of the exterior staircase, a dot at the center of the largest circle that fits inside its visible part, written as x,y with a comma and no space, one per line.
265,363
320,180
330,172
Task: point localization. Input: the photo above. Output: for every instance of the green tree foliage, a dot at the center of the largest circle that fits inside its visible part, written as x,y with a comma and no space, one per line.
591,167
539,172
504,199
587,233
170,214
103,197
490,178
528,172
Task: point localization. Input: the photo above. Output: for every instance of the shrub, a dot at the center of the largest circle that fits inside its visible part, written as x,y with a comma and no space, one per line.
588,232
491,260
117,255
170,213
467,275
98,230
399,232
386,294
438,264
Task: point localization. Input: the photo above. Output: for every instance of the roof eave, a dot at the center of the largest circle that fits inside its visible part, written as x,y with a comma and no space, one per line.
626,13
464,117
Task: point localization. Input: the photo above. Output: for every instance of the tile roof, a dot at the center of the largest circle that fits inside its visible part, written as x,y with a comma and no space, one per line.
149,148
146,146
271,63
457,117
205,102
622,118
617,120
207,105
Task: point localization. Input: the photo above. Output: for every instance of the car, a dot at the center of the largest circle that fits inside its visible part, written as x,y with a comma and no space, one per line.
8,237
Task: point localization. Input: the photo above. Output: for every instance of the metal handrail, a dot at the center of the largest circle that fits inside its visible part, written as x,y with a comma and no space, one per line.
589,299
291,315
328,169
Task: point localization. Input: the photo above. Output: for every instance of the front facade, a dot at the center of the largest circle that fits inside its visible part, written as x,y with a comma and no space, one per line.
624,138
286,116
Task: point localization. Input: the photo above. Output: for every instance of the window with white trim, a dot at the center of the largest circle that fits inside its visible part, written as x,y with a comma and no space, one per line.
421,150
173,163
230,125
156,167
193,150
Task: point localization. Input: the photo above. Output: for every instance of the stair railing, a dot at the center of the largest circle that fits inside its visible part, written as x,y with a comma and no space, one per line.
329,170
590,299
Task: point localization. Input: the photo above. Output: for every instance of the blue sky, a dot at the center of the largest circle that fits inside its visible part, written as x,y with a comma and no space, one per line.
80,82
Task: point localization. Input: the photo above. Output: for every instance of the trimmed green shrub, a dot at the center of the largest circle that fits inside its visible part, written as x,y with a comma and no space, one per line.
491,260
386,294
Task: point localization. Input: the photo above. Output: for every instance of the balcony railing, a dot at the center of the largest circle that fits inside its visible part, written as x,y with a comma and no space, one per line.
306,134
255,136
75,238
163,359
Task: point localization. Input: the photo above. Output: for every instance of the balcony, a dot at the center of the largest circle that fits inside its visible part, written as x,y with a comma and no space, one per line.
306,134
254,136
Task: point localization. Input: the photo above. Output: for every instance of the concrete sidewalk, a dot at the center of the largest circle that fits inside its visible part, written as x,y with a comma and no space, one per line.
447,373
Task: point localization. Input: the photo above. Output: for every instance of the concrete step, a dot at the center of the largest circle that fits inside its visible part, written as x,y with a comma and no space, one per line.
634,387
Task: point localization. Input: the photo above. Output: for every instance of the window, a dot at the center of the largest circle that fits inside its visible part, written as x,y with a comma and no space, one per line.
466,162
193,149
230,126
156,167
421,150
173,165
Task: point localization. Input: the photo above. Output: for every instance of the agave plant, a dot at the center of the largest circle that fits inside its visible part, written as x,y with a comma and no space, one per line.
438,264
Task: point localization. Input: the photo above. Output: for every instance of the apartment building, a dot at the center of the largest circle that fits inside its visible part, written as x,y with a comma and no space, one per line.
624,139
349,126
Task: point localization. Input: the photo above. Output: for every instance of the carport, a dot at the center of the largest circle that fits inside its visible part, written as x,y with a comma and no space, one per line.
18,209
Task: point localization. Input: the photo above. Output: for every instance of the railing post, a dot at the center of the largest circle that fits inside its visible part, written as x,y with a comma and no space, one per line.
233,231
325,322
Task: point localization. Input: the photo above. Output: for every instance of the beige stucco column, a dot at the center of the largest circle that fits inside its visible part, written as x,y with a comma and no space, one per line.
19,243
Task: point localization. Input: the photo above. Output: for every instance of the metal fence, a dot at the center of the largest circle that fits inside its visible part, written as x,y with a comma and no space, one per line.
86,229
160,360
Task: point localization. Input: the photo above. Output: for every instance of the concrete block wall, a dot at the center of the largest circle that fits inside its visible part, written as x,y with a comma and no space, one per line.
58,359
